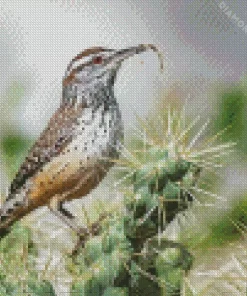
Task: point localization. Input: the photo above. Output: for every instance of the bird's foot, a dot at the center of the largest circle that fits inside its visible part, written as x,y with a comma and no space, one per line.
84,233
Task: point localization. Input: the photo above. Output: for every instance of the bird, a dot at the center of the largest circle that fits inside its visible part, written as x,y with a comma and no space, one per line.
73,153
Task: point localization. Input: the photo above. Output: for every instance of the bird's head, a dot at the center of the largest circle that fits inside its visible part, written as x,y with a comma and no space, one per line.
97,66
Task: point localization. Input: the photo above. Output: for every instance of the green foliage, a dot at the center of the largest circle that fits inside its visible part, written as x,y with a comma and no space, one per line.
229,227
13,150
232,107
13,144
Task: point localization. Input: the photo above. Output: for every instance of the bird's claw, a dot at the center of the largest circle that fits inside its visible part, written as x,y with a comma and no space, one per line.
84,233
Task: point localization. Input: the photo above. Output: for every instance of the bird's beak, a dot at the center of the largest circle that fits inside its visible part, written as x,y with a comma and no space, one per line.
124,54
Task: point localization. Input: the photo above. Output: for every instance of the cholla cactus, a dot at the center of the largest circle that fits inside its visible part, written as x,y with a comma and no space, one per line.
158,175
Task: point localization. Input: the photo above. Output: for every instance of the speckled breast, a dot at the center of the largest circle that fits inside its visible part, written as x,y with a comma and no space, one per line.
87,158
98,133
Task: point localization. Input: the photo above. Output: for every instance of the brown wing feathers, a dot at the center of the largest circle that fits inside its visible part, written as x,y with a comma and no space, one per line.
52,141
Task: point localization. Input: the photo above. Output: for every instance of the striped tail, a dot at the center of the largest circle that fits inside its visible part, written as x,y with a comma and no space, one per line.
6,221
13,209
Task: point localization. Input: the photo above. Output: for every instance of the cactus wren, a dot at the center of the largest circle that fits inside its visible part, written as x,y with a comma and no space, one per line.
72,154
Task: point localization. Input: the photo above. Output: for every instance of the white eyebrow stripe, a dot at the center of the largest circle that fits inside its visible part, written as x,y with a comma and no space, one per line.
72,66
86,59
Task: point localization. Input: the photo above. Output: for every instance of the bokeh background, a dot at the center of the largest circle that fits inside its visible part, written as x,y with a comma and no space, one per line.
205,55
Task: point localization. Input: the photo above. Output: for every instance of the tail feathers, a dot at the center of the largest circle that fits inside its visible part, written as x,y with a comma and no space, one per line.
6,221
12,210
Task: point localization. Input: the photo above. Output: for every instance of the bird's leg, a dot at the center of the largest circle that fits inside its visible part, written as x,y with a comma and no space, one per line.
64,211
92,230
56,207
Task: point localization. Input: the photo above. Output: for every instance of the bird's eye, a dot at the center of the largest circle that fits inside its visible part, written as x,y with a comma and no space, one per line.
98,60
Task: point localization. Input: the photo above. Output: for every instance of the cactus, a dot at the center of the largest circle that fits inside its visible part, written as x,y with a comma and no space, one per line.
157,176
17,271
